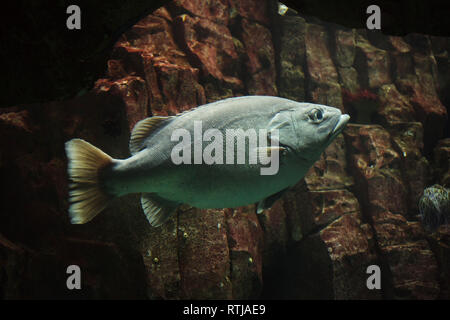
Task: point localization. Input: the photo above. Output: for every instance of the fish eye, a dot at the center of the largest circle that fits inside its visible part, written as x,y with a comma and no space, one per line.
315,115
319,115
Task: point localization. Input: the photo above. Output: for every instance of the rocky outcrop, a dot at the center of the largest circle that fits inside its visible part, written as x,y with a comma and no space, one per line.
356,207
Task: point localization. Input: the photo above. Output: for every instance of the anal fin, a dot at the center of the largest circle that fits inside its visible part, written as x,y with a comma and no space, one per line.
157,209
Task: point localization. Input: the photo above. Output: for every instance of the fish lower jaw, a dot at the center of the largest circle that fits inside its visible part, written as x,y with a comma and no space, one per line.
340,125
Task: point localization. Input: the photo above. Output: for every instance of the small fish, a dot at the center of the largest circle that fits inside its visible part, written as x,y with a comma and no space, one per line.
297,132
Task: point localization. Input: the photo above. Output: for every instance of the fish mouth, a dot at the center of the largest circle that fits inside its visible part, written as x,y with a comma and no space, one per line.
340,125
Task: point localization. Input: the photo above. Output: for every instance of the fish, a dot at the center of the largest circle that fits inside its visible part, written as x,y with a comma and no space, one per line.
293,134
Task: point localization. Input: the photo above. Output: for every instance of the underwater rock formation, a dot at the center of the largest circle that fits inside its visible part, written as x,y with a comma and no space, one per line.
356,207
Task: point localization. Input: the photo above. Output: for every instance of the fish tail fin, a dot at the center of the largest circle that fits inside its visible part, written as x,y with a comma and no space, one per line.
86,196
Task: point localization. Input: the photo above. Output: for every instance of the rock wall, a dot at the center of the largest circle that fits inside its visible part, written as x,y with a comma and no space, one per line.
356,207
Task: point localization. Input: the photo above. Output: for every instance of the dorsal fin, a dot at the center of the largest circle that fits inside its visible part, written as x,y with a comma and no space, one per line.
142,130
210,104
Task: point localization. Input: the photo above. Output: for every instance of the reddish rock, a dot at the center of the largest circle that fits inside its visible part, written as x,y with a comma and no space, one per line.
153,34
403,65
149,50
323,78
204,255
262,83
260,64
211,44
156,98
345,47
414,270
245,241
253,10
258,43
427,73
417,82
180,89
429,110
160,253
411,263
152,37
292,49
399,44
378,177
341,243
331,257
349,79
328,94
407,139
394,106
391,229
330,171
376,166
163,13
348,238
298,213
372,62
310,210
133,91
116,69
211,47
327,206
320,66
332,264
217,11
18,121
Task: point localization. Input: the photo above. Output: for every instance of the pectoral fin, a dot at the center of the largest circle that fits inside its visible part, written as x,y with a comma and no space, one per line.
268,202
157,209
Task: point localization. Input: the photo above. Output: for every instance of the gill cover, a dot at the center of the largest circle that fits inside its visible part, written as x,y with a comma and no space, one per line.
282,121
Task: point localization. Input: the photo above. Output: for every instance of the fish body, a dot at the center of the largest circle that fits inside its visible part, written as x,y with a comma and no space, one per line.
292,134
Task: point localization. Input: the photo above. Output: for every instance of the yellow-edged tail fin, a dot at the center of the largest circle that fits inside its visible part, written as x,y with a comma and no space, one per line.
86,197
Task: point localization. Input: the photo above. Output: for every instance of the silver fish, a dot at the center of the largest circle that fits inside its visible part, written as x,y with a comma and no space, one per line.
303,131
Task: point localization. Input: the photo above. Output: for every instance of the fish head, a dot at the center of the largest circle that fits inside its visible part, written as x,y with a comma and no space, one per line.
313,128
